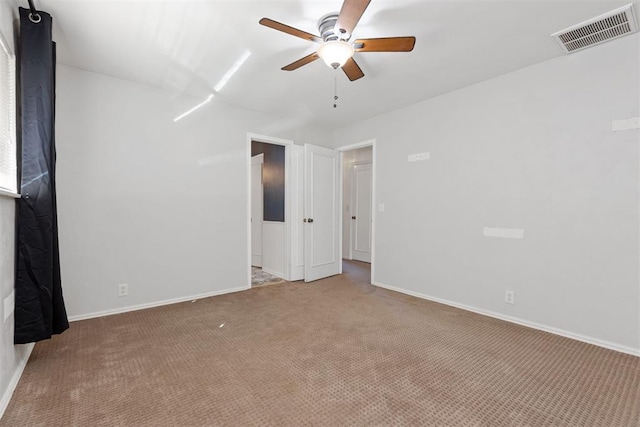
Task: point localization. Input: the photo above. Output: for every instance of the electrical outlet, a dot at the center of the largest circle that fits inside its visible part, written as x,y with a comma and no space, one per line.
123,290
510,297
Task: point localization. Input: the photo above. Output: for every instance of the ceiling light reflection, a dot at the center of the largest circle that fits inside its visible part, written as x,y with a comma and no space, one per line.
186,113
234,68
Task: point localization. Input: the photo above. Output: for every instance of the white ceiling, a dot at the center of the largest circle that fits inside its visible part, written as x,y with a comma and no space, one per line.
188,46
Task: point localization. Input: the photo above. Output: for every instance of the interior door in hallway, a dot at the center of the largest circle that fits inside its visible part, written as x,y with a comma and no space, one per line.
256,210
361,212
322,215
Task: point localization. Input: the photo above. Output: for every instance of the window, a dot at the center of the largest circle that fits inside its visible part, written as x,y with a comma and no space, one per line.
8,166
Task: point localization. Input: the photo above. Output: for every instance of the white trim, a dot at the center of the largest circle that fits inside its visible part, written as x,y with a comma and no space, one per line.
249,234
11,57
374,203
9,193
273,273
367,143
154,304
556,331
287,199
296,213
6,398
287,213
374,197
341,206
268,139
365,162
638,235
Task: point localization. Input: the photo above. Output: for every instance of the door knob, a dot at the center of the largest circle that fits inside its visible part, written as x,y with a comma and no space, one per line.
353,217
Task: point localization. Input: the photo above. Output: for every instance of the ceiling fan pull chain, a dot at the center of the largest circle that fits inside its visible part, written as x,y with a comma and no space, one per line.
335,89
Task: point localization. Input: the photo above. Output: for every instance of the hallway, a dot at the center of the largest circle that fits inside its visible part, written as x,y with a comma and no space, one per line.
356,271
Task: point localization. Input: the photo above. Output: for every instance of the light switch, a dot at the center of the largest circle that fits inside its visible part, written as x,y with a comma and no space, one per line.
381,207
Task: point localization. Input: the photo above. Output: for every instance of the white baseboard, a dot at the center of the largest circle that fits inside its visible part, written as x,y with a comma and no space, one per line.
6,398
534,325
154,304
273,273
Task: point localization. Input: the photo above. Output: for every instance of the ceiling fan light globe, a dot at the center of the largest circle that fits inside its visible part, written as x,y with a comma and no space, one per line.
335,52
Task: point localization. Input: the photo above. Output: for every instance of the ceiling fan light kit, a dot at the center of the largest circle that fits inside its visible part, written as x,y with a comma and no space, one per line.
335,53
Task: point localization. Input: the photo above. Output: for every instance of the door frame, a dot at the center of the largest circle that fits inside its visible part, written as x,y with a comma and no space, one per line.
287,199
368,143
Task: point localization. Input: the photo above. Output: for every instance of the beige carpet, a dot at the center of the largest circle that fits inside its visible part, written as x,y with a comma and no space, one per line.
335,352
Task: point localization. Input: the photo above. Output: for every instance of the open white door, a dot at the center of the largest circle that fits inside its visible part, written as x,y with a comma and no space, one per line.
361,212
322,215
256,210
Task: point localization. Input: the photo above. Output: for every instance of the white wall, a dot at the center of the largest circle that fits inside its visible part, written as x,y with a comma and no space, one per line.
12,357
364,154
534,150
161,206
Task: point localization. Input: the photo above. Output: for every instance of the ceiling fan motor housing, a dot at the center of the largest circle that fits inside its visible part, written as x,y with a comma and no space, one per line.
328,30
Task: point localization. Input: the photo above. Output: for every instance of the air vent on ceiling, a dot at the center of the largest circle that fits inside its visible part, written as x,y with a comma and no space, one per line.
600,29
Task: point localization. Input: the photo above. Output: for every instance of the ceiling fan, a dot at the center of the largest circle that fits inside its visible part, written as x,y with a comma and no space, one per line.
335,48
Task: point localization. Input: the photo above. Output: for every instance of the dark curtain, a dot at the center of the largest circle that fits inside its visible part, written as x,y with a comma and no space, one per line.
40,310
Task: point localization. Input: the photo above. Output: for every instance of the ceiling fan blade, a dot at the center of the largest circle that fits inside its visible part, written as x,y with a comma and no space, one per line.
350,14
289,30
300,62
386,44
352,70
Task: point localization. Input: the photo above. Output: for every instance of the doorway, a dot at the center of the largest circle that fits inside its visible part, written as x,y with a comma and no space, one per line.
357,193
268,220
360,224
310,237
358,202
